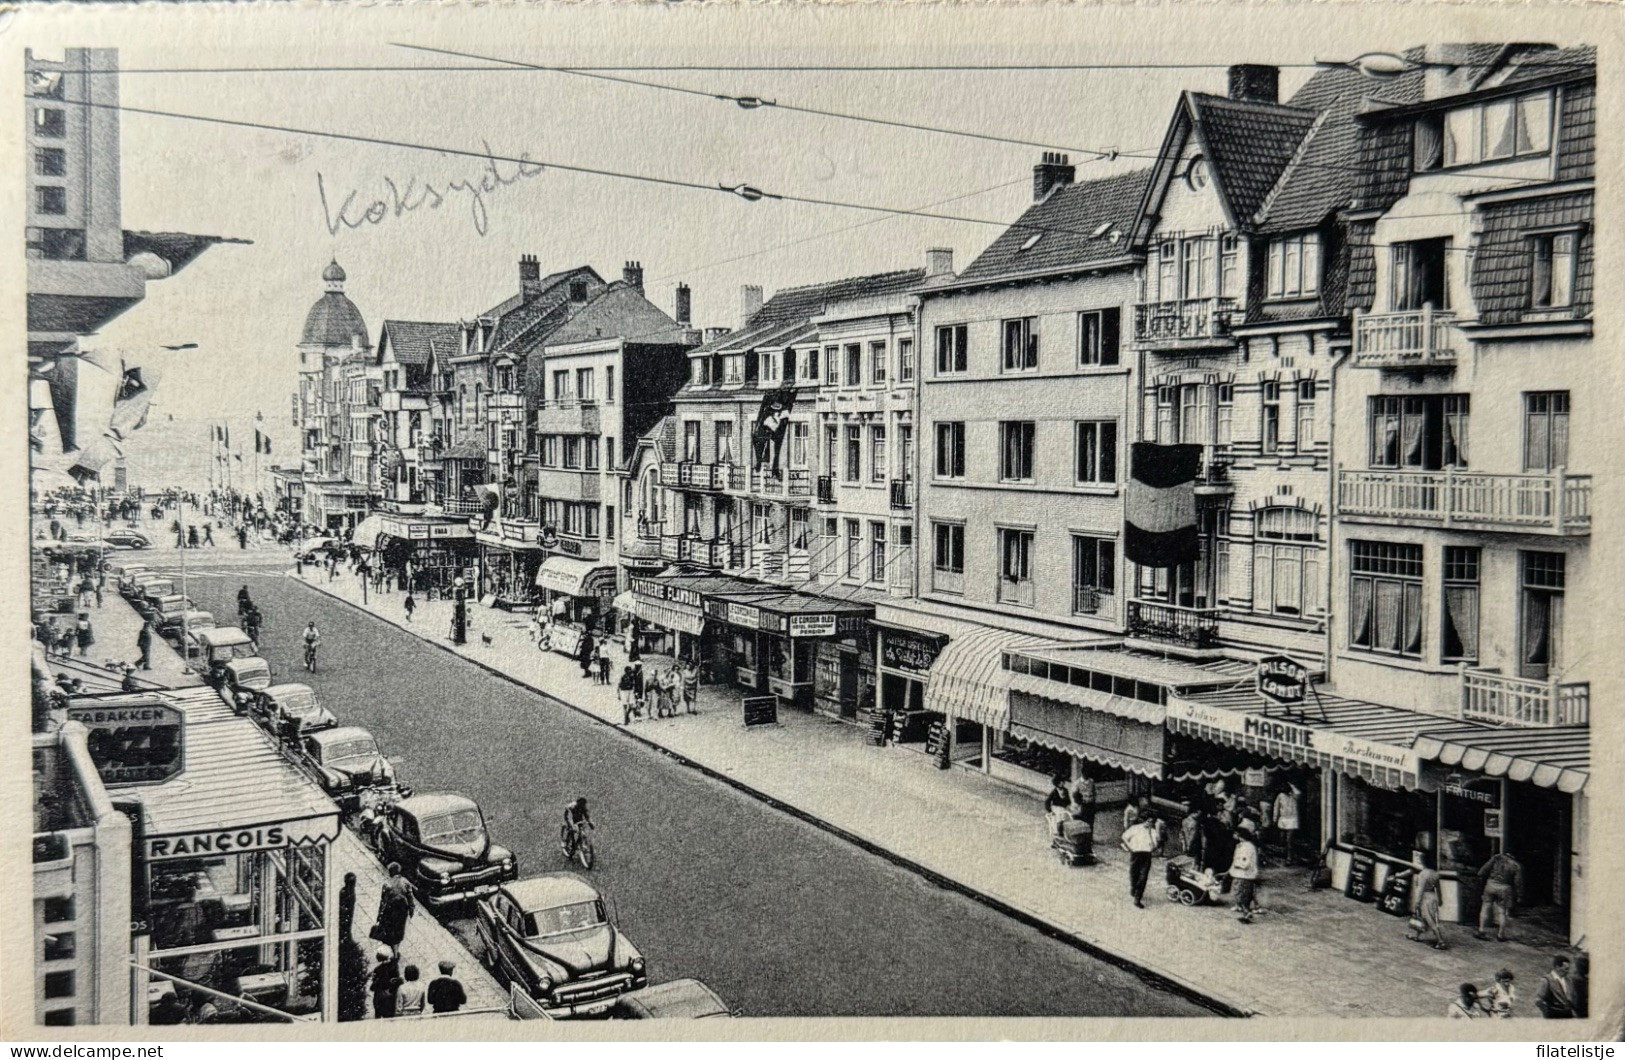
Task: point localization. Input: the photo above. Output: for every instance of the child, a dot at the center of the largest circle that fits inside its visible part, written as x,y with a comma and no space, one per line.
1502,995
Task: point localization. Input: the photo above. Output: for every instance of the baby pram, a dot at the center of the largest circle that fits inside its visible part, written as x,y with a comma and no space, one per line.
1188,886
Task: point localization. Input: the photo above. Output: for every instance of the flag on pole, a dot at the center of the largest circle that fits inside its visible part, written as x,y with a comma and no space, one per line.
267,445
1159,505
225,433
259,441
132,402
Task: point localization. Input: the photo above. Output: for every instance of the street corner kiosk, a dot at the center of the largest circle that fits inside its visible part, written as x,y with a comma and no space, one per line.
577,596
812,652
233,890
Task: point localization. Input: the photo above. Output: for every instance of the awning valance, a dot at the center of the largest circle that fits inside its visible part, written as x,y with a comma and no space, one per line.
1118,742
969,681
574,577
1548,758
367,531
791,614
1120,706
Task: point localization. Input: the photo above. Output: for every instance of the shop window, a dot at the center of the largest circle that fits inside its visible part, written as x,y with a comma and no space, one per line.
948,557
1460,611
1019,351
1097,452
1098,332
1287,562
953,349
1017,439
1546,430
950,450
1552,259
1094,572
1419,433
1015,567
1385,598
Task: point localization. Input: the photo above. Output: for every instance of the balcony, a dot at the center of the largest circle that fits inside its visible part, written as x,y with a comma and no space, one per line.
1214,478
902,494
1191,323
826,489
567,417
1556,504
1085,600
504,401
560,485
1521,702
679,549
686,549
404,401
515,531
1416,338
1016,592
584,548
462,508
1190,627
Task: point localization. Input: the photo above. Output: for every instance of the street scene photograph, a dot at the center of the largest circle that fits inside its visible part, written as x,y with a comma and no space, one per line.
610,513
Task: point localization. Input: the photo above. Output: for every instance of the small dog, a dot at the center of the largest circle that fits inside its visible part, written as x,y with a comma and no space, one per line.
485,639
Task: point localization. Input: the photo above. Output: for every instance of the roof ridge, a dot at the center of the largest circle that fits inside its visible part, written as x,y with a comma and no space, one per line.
1258,103
844,279
1291,167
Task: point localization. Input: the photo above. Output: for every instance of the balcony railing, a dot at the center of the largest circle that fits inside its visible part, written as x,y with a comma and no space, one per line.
1494,698
826,489
1556,503
1085,600
1018,592
902,494
1415,338
1182,324
569,416
676,548
695,475
1192,627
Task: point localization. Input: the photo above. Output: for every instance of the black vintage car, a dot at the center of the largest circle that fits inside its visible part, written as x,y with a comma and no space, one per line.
439,840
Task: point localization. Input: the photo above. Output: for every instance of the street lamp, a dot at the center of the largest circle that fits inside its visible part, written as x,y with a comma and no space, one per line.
459,612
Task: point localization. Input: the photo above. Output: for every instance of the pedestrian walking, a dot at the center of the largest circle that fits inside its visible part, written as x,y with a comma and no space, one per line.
347,906
1503,995
1425,905
87,588
691,687
1467,1005
446,994
629,698
1287,804
1503,886
1558,997
1244,872
143,644
242,537
384,982
101,584
191,537
395,908
83,635
1137,810
208,534
1139,840
584,653
639,687
410,997
409,605
603,666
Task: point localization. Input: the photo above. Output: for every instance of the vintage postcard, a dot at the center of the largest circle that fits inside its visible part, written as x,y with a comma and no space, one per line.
1076,522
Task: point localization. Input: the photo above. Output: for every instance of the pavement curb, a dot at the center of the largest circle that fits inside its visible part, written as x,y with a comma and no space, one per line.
1168,981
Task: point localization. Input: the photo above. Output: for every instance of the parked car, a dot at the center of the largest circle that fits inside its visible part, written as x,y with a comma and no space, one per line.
346,760
127,539
315,549
216,647
441,843
124,575
177,627
551,937
285,705
680,999
165,610
245,679
149,587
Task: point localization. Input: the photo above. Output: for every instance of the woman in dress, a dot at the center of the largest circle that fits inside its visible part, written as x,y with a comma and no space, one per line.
1425,904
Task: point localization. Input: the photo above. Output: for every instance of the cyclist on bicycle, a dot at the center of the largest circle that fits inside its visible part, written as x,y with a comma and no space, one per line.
244,604
576,820
312,638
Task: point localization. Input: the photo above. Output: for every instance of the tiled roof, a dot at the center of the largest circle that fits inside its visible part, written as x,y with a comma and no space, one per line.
1248,144
416,342
515,324
1322,176
620,311
795,305
1580,59
1066,223
1501,266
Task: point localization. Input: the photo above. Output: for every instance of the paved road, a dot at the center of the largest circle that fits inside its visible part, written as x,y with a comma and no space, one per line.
776,915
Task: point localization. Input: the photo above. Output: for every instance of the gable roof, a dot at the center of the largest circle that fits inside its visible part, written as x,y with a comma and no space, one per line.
1323,174
795,305
416,342
620,311
1248,145
517,315
1065,224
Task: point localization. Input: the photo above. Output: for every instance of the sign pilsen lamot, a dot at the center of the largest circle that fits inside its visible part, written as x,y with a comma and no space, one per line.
1282,680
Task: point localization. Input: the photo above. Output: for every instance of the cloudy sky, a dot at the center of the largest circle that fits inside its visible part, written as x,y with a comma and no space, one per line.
244,305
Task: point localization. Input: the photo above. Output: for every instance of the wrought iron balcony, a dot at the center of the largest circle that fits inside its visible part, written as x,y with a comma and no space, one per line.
826,489
1188,323
1523,702
1555,503
902,494
1192,627
1415,338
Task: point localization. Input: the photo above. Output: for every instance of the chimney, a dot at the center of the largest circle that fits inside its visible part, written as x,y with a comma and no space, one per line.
578,290
1054,171
939,261
1253,83
750,302
530,276
632,273
685,306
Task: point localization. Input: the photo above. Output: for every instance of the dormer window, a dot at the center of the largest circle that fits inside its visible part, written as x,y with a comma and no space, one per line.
1294,266
1553,256
1499,129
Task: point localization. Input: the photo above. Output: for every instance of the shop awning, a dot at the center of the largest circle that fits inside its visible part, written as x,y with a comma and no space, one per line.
574,577
367,531
1108,739
1548,758
1366,740
969,681
675,617
1089,699
789,613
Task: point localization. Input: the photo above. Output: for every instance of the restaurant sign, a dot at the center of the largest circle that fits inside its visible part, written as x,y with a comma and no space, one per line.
1281,679
663,591
1290,740
140,743
908,653
241,840
812,625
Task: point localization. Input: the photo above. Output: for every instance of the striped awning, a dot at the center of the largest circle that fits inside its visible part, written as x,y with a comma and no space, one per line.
1548,758
1106,702
969,680
676,617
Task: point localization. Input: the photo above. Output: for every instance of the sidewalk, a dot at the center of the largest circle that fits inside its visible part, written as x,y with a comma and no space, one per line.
116,625
1314,953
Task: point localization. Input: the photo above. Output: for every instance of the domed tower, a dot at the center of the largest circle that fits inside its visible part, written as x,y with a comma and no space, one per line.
333,323
335,336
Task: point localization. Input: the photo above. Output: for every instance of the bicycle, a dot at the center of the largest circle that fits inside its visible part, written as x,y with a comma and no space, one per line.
576,844
310,657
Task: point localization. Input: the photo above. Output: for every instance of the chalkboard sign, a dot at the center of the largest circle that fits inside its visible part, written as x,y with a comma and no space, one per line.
899,726
761,710
1396,893
1362,870
879,722
937,743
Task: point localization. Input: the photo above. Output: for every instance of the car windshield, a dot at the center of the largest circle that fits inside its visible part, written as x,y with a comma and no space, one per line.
461,826
562,918
360,747
297,704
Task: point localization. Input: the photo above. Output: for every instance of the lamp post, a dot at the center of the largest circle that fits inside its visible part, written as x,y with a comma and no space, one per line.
459,613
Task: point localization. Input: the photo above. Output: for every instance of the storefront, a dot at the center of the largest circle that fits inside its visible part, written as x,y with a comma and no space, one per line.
428,555
666,616
577,597
508,566
903,662
809,651
234,887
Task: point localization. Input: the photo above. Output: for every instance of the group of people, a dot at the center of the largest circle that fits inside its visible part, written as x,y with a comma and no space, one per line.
396,988
662,694
1562,995
1502,877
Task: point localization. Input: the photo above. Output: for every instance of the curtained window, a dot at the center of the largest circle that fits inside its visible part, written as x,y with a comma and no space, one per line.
1459,641
1385,597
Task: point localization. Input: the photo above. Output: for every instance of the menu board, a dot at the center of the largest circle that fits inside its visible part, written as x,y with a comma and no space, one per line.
1396,893
879,723
1362,872
761,710
937,744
